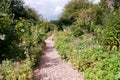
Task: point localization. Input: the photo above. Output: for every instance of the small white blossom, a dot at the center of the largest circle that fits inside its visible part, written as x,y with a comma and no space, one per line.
2,37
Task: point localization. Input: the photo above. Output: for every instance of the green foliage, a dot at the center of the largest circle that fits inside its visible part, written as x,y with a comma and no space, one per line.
77,30
29,43
96,48
17,8
63,49
90,57
98,31
22,35
111,35
117,4
18,33
84,21
81,15
10,40
98,14
16,70
32,15
72,10
100,64
4,6
106,4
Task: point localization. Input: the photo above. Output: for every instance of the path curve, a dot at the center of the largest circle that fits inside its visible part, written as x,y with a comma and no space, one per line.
52,67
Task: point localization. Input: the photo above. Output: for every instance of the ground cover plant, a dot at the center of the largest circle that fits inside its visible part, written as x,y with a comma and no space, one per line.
91,58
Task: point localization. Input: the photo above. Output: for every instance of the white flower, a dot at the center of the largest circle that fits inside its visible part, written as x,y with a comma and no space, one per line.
2,37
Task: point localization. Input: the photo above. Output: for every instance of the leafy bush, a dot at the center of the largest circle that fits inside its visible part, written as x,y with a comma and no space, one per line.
30,42
83,23
22,35
111,35
77,30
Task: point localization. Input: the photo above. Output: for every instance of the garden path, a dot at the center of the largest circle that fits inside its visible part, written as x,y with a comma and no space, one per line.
52,67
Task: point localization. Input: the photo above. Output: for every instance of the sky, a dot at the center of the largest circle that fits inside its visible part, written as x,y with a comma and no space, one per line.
50,9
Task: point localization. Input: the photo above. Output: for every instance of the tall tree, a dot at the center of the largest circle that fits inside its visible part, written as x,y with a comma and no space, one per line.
17,8
72,10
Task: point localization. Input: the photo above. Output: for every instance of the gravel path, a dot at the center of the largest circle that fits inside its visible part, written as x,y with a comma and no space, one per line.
52,67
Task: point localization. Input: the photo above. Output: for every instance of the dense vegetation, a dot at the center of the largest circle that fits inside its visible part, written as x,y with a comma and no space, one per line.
22,34
91,38
91,58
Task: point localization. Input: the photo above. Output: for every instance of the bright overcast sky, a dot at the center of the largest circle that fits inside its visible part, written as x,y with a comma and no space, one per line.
50,9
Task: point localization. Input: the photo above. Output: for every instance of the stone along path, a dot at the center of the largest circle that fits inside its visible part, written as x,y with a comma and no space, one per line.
52,67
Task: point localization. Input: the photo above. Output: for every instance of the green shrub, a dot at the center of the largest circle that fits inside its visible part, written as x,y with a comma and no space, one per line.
111,35
77,30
